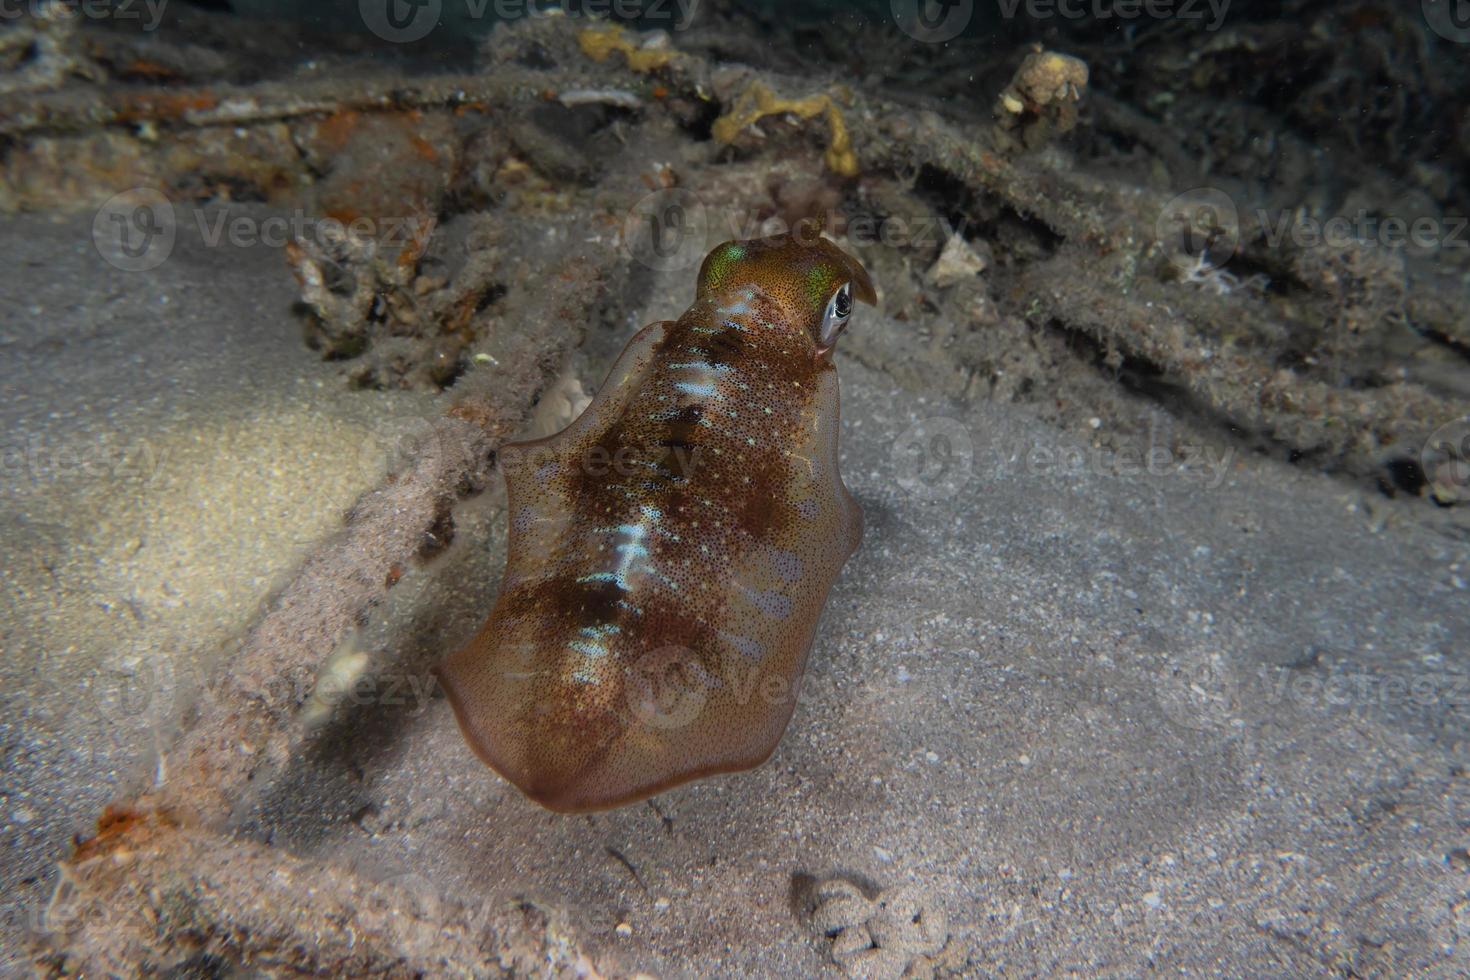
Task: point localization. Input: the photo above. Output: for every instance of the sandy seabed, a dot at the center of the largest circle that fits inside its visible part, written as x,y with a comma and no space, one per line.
1107,712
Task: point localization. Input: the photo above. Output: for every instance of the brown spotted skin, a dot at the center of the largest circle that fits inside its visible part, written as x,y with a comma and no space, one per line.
671,550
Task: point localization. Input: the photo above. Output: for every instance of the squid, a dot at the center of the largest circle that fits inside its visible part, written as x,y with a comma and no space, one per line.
671,550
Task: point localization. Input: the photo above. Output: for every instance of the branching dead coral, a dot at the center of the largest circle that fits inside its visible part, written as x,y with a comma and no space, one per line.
150,897
1352,428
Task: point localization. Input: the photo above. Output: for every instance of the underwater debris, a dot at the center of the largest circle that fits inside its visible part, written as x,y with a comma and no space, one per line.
338,673
1041,100
758,101
557,143
1445,462
644,55
87,109
1359,72
1042,203
1363,299
1205,274
381,170
148,896
340,303
621,98
559,405
392,301
1195,344
894,934
957,263
40,53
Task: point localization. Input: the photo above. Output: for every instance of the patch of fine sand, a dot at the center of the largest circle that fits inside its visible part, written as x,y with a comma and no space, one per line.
170,453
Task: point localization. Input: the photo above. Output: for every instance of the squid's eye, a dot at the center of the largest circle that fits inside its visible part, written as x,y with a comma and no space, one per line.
834,318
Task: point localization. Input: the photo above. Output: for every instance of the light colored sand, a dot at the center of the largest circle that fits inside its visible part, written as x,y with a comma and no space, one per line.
170,451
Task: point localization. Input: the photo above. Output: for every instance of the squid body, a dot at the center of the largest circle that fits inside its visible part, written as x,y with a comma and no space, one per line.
671,550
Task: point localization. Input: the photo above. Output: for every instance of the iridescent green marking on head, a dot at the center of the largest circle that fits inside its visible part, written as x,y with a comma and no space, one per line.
720,263
821,282
794,278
